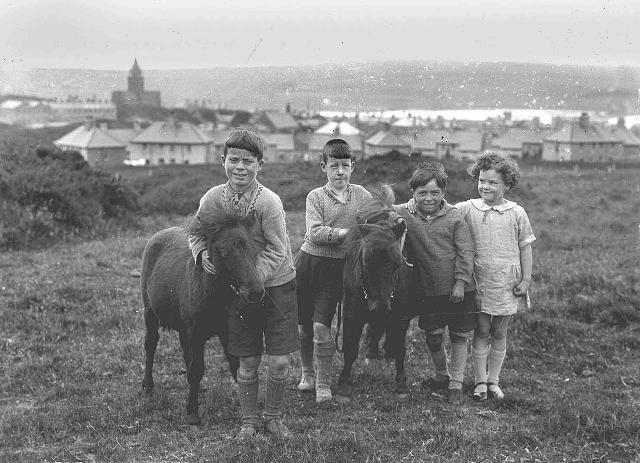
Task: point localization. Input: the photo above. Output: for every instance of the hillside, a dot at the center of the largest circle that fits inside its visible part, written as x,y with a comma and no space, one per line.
71,340
368,86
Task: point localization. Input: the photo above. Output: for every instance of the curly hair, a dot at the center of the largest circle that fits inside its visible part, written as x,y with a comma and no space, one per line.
506,167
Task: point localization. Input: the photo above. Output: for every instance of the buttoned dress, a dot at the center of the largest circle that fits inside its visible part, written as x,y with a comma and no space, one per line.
499,233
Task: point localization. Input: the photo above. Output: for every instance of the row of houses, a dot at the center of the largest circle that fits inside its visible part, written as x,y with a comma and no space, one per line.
180,142
35,112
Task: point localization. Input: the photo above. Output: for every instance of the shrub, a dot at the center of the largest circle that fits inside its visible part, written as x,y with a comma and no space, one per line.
47,193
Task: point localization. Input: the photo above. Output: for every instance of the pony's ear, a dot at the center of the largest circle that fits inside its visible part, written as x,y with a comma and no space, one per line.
399,227
248,221
210,228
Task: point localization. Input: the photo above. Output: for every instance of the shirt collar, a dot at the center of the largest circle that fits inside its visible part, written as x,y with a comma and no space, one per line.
479,204
229,192
444,208
332,193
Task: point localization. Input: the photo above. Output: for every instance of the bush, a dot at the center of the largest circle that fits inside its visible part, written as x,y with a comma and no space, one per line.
47,193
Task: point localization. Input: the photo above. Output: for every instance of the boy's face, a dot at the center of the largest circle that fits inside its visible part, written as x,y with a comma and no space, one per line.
491,187
428,197
241,167
338,172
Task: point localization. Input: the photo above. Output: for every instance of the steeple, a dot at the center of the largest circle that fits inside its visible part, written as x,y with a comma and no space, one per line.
135,79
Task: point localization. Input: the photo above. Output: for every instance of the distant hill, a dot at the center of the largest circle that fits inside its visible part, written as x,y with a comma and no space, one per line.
370,86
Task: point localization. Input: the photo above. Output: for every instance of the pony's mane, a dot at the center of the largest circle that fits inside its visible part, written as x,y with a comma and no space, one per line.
212,221
381,202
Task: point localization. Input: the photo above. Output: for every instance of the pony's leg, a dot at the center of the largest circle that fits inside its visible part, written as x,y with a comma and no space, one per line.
232,360
398,338
195,371
350,344
150,344
373,333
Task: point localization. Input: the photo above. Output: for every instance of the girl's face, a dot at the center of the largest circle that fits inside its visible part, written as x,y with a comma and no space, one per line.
491,187
338,172
428,197
241,167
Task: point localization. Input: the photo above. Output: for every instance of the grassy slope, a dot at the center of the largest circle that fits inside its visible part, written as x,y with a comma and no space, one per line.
72,358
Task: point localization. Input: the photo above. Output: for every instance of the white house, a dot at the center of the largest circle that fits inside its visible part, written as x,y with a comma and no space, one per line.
172,142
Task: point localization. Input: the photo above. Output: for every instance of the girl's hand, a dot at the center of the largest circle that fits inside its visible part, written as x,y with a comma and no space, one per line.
457,293
411,206
521,288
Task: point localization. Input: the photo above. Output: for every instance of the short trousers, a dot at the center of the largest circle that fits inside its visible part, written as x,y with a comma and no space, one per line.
438,311
319,287
270,326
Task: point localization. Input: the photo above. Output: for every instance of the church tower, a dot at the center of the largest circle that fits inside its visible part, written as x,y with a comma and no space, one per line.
135,80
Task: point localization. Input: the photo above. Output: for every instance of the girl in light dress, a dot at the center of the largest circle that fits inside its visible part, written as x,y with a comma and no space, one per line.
502,265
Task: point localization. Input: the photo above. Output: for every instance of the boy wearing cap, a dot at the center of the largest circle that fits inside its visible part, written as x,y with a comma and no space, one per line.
273,327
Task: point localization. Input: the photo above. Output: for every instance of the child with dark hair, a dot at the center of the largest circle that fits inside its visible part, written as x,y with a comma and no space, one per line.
330,211
502,264
271,324
440,246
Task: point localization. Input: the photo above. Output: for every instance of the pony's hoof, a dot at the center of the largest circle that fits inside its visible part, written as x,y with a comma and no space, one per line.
341,399
147,391
193,419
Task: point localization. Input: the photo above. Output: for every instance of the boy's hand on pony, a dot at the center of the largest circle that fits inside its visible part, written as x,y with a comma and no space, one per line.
521,288
411,206
457,292
206,263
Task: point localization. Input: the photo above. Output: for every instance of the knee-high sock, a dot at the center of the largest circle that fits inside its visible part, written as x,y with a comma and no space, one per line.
274,395
496,357
480,363
323,352
306,354
458,361
439,359
248,398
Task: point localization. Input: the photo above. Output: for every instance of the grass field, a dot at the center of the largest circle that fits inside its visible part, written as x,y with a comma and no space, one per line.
71,350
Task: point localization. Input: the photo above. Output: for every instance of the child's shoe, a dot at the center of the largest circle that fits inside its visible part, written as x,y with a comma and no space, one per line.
307,383
494,391
247,431
480,391
455,396
323,394
277,429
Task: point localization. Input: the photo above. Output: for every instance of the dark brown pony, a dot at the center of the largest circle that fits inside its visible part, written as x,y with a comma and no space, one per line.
179,295
376,284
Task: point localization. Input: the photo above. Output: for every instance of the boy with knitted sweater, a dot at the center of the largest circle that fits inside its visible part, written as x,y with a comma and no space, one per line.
272,324
330,211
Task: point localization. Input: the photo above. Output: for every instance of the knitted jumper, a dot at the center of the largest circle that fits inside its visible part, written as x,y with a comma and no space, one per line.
274,263
325,215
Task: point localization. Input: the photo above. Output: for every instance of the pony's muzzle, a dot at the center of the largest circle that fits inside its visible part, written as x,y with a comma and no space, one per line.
253,296
380,306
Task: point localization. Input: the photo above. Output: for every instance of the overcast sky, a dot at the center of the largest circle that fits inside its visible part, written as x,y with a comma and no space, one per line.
107,34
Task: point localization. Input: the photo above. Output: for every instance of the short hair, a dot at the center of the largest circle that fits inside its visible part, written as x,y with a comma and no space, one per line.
505,166
246,140
336,148
428,171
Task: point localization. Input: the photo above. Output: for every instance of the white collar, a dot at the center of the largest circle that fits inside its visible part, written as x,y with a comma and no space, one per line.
479,204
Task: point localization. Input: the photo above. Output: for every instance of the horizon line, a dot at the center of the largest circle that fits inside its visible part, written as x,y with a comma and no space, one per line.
345,63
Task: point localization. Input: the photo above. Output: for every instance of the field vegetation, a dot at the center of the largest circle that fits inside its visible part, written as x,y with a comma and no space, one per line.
71,341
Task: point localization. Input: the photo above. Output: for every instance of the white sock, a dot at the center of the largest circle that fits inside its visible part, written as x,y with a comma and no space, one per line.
496,357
